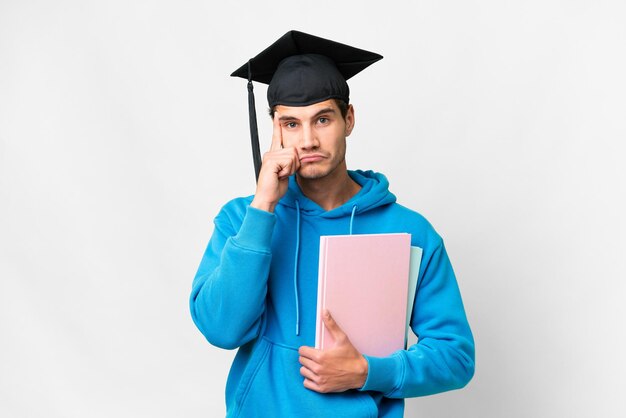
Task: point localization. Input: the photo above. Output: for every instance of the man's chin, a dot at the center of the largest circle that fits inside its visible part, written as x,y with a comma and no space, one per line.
311,173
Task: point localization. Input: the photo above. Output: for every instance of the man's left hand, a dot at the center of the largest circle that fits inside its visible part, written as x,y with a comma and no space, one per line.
335,369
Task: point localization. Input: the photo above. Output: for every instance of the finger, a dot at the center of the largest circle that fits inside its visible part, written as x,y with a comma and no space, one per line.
332,326
277,134
309,384
286,171
296,161
290,164
308,374
309,353
310,365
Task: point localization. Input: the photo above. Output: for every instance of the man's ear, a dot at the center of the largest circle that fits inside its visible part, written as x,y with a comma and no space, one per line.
349,120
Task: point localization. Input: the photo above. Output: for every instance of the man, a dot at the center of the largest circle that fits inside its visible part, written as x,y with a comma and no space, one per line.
256,287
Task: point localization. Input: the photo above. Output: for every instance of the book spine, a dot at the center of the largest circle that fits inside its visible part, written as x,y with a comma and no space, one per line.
321,292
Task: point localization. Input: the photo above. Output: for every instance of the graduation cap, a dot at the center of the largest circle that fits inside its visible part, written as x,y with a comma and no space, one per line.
301,70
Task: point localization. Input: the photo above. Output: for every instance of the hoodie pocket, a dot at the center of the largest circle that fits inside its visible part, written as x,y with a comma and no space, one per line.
272,386
257,359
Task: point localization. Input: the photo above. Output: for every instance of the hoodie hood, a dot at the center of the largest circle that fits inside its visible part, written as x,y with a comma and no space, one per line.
374,193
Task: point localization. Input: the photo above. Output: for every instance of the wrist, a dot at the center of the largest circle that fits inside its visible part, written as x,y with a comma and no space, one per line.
362,370
263,205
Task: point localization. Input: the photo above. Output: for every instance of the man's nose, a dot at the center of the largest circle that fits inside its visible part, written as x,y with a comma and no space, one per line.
309,138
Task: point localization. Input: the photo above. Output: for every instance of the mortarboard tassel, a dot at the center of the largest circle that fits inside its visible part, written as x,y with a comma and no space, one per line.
254,131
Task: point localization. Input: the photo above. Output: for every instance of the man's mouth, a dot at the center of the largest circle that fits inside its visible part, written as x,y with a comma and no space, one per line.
311,158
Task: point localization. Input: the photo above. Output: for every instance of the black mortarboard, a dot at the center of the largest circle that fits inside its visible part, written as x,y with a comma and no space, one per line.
301,69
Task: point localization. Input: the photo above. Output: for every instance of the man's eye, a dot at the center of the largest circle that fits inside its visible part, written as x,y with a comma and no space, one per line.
323,120
291,125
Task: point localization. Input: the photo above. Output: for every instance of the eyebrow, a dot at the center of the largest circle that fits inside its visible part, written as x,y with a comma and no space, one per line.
323,111
318,114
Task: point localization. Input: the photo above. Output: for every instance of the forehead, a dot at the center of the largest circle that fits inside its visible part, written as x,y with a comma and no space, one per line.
302,112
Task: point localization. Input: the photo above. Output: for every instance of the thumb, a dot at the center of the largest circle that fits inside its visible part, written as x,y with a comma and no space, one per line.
333,327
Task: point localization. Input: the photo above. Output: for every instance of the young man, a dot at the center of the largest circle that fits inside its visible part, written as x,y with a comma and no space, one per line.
256,287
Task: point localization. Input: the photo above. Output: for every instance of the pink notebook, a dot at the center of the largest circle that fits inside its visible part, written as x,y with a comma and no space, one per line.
363,282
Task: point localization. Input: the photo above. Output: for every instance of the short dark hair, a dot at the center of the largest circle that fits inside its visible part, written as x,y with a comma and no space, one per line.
342,105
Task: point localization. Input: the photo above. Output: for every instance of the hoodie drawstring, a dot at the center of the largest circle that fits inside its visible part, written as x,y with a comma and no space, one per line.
295,268
297,256
352,218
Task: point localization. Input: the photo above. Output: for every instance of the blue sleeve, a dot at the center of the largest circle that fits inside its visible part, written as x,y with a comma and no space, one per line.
443,358
228,293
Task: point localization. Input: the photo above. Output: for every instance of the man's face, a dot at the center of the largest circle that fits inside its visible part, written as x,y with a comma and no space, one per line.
318,132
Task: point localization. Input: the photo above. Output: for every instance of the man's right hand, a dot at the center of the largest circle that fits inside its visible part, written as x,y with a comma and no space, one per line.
278,164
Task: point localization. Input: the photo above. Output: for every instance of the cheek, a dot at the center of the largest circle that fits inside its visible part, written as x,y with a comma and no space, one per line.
290,139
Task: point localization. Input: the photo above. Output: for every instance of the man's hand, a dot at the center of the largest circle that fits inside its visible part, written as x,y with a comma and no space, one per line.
278,164
336,369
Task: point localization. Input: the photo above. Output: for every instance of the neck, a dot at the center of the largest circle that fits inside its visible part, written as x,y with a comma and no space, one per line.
331,191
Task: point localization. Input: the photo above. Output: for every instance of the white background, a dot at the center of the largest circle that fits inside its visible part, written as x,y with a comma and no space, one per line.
122,134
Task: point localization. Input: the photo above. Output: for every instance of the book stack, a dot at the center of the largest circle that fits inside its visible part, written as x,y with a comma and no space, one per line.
367,283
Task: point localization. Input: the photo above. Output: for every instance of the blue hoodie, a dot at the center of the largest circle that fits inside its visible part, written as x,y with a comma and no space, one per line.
256,290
